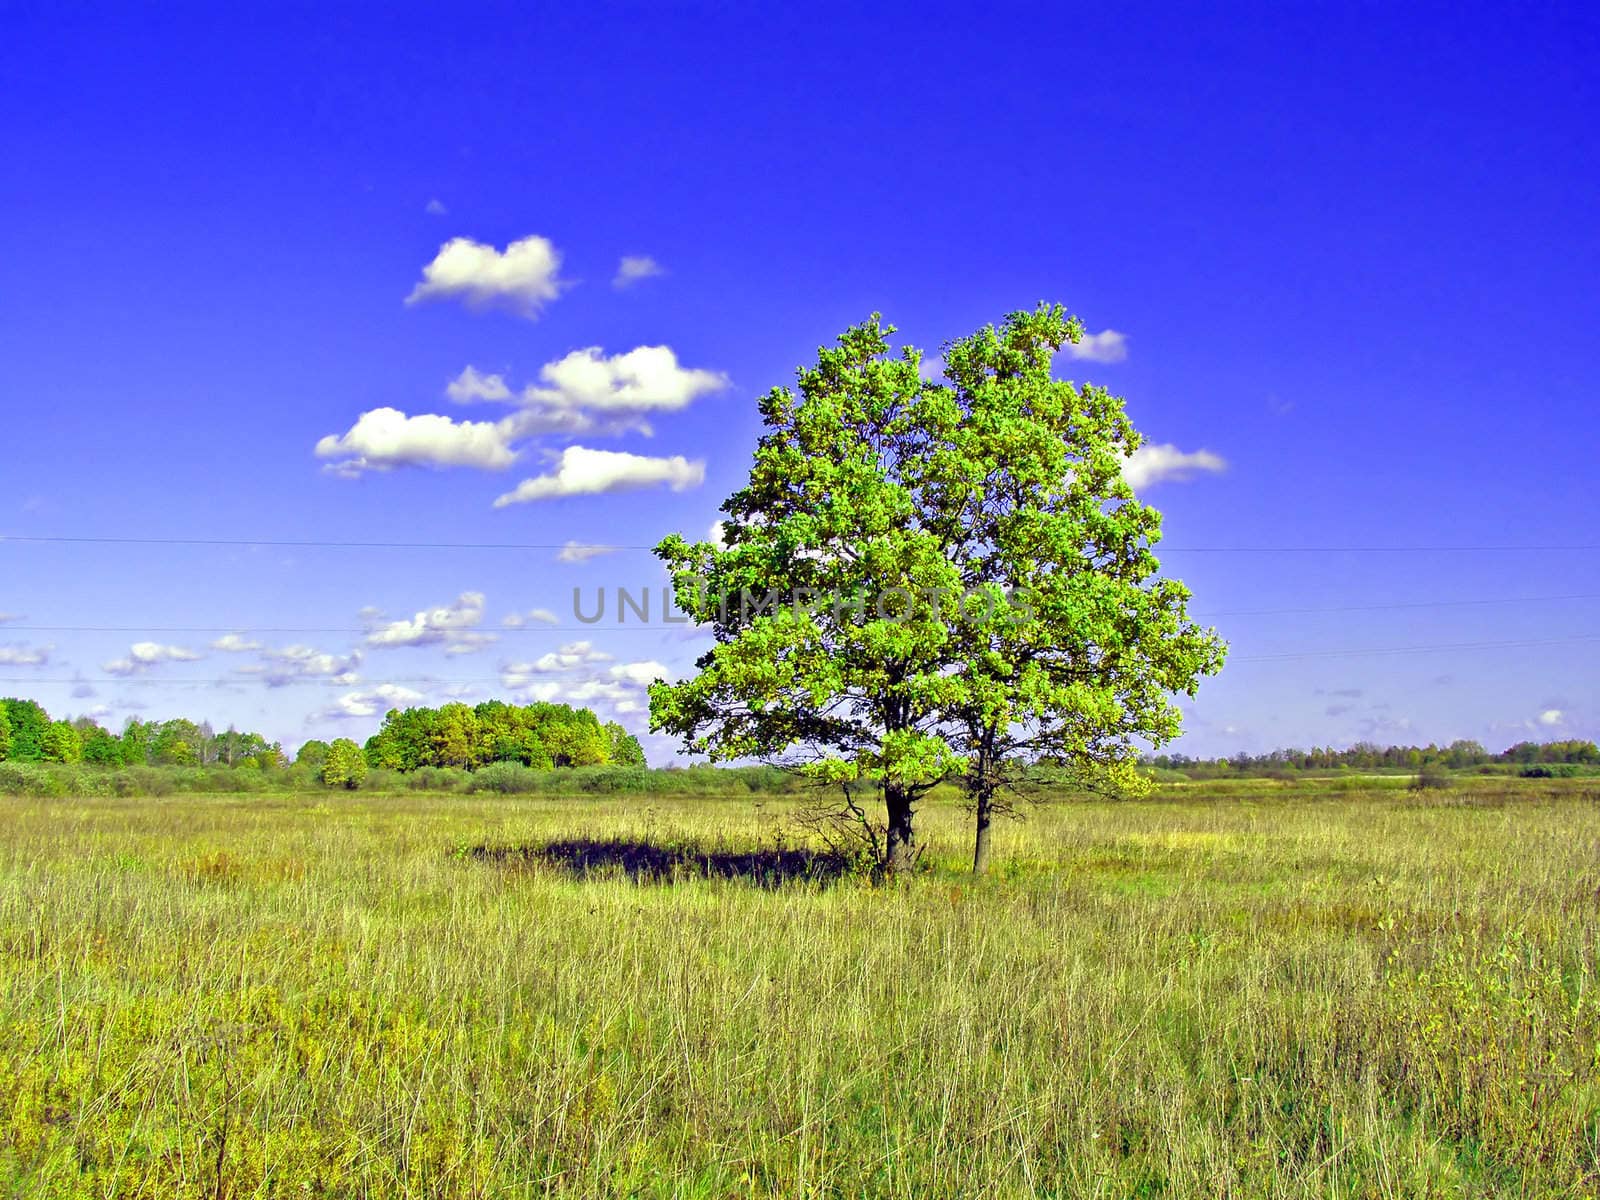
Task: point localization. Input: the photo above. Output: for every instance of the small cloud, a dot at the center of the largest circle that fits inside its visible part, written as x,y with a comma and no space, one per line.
472,386
384,438
25,656
84,691
931,367
232,643
521,279
1338,710
584,472
534,616
435,208
577,552
643,379
640,674
1107,346
282,667
573,656
717,535
451,625
367,704
1160,463
635,267
144,655
1550,718
6,617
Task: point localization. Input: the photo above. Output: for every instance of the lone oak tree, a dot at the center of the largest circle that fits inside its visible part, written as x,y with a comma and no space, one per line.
1022,482
872,600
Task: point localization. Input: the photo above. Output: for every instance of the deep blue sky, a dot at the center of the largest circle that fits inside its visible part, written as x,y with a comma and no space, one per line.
1352,251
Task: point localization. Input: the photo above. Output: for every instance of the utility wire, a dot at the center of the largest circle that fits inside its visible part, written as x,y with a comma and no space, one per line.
658,627
434,681
307,543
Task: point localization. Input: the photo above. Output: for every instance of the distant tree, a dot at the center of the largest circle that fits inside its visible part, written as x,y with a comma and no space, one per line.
62,743
178,742
625,748
405,742
5,732
100,746
455,737
345,766
137,737
29,723
313,754
573,737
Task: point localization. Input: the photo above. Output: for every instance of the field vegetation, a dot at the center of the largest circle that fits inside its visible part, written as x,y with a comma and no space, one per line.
1242,988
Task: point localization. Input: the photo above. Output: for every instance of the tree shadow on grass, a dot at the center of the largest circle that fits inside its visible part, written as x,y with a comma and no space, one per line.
650,863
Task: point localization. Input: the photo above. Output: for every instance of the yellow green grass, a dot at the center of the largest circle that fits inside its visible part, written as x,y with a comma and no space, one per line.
1270,993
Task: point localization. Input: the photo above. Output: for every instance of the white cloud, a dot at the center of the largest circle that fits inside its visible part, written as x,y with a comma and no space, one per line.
472,385
279,668
10,616
577,552
584,472
1551,717
574,656
368,703
522,278
232,643
646,378
1107,346
452,625
25,656
385,437
622,699
635,267
534,616
931,368
717,535
1156,463
640,674
435,208
144,655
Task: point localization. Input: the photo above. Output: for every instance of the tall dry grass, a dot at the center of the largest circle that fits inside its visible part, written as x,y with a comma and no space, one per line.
1269,993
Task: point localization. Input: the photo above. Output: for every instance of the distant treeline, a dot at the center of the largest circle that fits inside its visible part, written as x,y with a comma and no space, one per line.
1459,755
28,734
540,737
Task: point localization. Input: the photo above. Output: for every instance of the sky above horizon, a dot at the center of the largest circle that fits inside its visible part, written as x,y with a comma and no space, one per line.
280,287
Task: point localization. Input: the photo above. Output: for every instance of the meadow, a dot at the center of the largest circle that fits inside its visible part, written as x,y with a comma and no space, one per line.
1263,989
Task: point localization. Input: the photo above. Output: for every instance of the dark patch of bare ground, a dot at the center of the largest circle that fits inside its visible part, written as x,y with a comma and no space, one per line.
651,863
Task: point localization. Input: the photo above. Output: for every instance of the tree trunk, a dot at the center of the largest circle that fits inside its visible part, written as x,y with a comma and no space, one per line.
900,848
980,844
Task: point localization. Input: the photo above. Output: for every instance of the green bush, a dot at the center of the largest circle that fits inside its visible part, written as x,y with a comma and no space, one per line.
438,779
29,779
507,777
1432,777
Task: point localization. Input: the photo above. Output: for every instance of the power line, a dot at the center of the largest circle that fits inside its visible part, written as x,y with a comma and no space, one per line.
603,547
434,681
1385,650
657,627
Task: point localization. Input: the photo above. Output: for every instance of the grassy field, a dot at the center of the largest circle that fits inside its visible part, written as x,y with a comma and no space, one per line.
1271,992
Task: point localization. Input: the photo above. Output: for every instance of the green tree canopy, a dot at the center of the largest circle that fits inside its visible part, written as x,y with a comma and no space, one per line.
928,579
29,723
345,765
